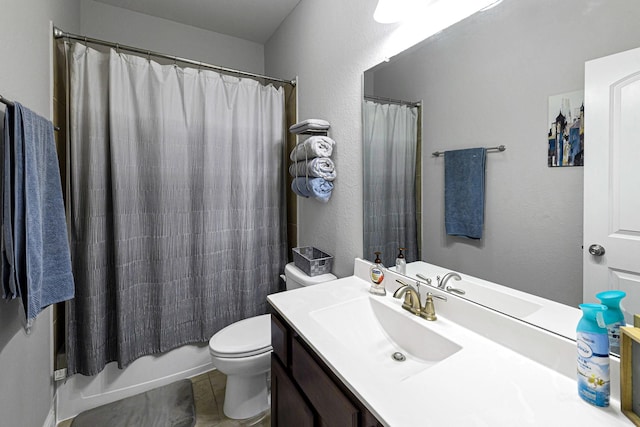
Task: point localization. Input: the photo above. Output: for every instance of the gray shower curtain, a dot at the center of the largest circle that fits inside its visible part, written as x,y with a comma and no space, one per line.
390,146
177,208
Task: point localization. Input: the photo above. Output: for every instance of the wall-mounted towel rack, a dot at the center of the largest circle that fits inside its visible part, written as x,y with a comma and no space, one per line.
498,148
5,101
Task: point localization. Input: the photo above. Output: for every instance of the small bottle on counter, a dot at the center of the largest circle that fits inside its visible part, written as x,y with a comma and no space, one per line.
593,355
613,317
376,273
401,262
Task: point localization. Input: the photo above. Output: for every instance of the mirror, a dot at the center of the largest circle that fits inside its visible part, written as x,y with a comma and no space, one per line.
484,82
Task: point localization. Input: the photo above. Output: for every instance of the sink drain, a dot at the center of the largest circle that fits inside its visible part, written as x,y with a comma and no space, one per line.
398,357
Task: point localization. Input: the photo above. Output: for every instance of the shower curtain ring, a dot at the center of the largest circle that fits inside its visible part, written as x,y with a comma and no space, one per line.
85,42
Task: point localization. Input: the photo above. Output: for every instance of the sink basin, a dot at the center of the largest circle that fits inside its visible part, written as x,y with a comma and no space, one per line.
372,330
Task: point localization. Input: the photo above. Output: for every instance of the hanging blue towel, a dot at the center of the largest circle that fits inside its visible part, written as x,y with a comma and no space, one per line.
318,188
10,287
41,246
464,192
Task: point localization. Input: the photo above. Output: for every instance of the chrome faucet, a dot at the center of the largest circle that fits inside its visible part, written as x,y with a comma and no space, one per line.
443,281
412,301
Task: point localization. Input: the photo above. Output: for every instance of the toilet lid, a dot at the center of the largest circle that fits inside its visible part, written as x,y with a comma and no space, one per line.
246,337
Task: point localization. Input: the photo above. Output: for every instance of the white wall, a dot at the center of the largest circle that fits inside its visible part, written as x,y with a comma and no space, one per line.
26,397
105,22
328,44
486,82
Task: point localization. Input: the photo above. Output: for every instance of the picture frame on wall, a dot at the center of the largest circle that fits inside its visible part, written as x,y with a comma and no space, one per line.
566,130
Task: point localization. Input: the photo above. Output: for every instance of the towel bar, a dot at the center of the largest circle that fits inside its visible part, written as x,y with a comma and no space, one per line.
498,148
5,101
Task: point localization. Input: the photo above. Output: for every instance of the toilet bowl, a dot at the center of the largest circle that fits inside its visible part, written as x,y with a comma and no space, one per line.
242,351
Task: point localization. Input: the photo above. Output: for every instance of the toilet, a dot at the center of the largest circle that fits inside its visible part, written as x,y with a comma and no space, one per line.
242,351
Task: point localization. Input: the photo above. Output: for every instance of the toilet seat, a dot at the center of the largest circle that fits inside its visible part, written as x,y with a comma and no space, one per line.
248,337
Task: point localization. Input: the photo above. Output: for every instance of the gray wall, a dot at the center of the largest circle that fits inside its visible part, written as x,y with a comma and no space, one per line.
119,25
328,44
26,360
486,82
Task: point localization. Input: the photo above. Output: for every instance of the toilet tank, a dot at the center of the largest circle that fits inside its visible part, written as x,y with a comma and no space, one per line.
296,278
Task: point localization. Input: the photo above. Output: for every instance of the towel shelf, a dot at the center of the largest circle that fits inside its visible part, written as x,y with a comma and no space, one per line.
498,148
314,132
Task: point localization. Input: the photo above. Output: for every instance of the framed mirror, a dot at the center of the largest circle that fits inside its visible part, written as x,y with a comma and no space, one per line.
487,81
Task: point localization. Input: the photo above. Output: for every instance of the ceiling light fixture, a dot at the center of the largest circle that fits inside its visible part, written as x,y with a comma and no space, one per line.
391,11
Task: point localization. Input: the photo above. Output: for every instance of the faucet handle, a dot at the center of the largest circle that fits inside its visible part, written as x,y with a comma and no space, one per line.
429,311
423,277
442,297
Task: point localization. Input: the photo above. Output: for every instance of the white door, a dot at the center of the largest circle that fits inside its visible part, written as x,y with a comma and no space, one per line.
612,177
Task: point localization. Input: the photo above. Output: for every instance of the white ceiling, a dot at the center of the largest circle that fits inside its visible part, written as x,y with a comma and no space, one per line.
254,20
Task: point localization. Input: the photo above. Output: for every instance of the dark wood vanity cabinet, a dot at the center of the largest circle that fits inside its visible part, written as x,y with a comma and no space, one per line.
304,392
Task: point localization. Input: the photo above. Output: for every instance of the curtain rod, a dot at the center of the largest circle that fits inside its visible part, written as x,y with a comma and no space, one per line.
391,100
58,33
498,148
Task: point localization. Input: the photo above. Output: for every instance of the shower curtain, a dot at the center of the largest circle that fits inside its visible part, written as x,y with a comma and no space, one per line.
177,208
390,142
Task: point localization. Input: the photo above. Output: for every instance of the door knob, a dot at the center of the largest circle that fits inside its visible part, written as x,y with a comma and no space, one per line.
596,250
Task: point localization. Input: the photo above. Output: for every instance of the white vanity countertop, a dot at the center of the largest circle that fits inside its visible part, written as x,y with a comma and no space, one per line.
484,384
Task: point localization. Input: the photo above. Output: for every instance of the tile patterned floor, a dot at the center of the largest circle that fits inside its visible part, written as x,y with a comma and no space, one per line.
208,394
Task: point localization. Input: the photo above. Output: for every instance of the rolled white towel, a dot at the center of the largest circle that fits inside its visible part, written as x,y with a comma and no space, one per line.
320,167
317,125
315,146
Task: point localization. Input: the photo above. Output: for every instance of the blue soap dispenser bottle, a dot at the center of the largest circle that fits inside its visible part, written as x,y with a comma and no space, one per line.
613,317
593,355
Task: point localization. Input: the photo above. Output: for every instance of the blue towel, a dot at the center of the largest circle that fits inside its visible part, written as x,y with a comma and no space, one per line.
43,261
10,286
318,188
464,192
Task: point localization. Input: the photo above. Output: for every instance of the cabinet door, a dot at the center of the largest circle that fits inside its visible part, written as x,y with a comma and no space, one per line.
279,340
288,407
332,406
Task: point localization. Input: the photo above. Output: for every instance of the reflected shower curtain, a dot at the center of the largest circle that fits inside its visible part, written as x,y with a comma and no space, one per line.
176,205
390,141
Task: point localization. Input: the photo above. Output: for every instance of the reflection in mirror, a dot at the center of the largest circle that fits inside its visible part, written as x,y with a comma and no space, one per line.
485,82
390,132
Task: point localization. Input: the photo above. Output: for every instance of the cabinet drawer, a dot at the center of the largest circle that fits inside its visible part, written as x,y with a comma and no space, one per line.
279,339
333,407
